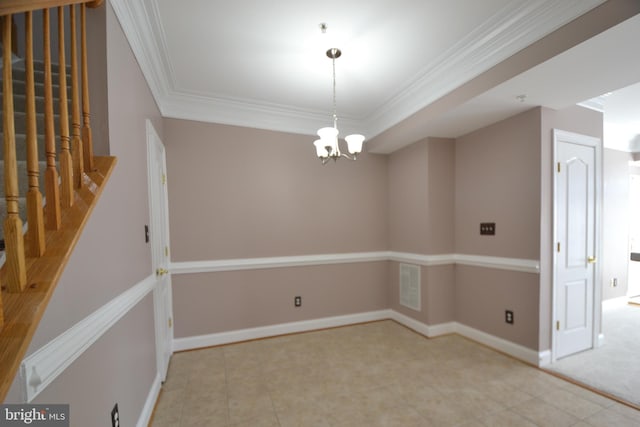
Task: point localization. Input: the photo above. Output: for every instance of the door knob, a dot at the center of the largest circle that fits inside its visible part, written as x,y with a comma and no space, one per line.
161,272
591,260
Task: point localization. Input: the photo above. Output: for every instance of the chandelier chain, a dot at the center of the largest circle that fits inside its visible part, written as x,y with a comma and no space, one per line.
335,109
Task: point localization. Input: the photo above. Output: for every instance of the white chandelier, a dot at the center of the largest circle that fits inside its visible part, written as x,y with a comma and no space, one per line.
327,146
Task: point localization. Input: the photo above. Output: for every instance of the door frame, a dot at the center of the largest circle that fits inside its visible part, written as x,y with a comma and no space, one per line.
558,137
153,141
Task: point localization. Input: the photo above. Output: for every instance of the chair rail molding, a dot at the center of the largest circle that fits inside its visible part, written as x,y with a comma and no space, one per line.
238,264
40,368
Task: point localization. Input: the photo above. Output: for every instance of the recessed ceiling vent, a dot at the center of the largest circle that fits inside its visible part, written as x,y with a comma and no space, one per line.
410,286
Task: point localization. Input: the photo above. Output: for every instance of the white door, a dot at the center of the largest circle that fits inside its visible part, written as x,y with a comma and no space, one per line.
159,241
576,215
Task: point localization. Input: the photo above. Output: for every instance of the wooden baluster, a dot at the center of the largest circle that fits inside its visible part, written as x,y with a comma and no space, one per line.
14,240
76,142
87,140
52,189
66,166
35,233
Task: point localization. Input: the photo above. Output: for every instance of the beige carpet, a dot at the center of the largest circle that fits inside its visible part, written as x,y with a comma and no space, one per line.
615,367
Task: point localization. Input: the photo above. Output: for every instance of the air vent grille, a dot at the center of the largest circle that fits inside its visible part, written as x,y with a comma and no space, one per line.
410,286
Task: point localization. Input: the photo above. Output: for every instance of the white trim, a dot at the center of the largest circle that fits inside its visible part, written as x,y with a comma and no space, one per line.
274,262
512,29
513,264
544,358
613,303
422,328
150,403
600,341
54,357
190,343
559,136
516,350
135,21
519,352
425,260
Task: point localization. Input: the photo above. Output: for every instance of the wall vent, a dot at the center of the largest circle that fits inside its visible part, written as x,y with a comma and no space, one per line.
410,286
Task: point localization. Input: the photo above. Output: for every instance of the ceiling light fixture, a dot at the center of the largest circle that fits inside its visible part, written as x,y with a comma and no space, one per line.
327,146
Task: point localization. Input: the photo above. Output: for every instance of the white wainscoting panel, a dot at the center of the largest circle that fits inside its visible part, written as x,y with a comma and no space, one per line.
40,368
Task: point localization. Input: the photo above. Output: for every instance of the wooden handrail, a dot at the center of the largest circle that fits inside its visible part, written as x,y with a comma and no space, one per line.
8,7
34,264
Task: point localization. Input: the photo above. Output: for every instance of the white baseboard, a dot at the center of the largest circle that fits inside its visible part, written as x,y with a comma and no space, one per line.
190,343
519,352
423,328
150,403
544,358
601,340
516,350
614,303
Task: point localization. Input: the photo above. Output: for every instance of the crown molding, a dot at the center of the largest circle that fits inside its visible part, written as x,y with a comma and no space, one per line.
512,29
596,104
515,27
246,113
134,19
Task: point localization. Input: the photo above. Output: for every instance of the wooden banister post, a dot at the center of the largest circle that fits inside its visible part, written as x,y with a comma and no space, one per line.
35,233
66,164
52,189
87,140
14,240
76,142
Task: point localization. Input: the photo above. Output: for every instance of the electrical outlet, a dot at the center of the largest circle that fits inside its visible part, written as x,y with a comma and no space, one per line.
488,228
508,317
297,301
115,417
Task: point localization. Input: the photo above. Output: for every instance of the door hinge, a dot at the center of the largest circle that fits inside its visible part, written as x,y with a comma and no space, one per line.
557,325
164,179
558,167
170,322
166,251
558,248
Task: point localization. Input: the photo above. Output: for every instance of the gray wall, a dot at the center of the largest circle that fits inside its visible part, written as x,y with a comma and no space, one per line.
615,223
497,179
243,193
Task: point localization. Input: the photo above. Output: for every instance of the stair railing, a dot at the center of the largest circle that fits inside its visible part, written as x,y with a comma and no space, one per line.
34,260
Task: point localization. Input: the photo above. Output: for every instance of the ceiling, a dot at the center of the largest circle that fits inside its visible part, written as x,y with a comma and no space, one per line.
262,63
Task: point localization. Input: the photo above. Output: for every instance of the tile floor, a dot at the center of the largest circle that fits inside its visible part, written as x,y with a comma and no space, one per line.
375,374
